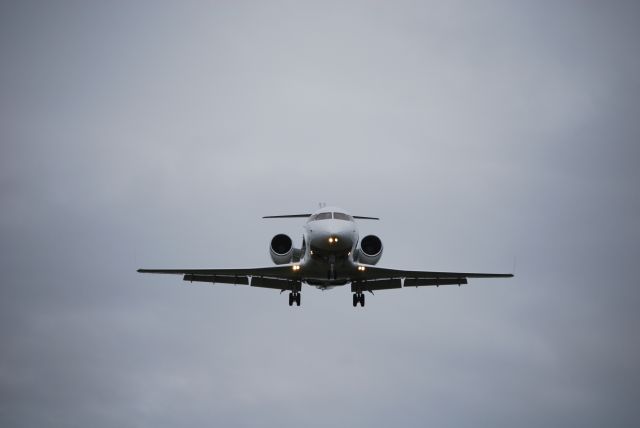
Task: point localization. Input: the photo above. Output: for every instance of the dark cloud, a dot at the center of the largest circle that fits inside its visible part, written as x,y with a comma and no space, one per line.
157,135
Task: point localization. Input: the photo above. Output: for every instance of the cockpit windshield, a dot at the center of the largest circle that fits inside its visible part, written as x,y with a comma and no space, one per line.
342,216
329,216
320,216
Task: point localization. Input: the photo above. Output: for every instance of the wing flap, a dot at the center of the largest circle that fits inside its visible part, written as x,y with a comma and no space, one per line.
275,277
421,282
382,284
373,278
243,280
276,284
372,272
283,272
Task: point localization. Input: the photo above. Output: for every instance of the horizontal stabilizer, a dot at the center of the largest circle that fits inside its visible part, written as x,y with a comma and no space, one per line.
358,217
288,216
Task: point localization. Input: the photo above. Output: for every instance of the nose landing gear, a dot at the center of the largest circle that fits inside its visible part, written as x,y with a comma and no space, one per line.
294,297
358,298
332,274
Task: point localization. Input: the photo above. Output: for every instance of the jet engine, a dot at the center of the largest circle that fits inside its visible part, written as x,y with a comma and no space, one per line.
281,249
370,250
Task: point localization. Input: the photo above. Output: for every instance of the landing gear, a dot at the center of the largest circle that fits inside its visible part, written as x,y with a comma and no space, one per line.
358,298
294,297
332,274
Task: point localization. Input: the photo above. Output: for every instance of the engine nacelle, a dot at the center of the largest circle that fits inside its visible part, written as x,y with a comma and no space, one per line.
281,249
370,250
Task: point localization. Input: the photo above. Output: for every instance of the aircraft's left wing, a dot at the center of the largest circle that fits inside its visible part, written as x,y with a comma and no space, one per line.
276,277
375,278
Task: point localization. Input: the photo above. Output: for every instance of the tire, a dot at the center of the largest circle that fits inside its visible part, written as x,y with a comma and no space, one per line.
362,300
298,299
355,300
290,299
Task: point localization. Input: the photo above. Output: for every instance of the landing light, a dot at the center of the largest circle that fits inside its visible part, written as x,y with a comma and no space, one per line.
296,267
330,240
361,268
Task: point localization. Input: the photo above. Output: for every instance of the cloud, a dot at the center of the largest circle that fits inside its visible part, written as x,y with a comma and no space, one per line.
157,135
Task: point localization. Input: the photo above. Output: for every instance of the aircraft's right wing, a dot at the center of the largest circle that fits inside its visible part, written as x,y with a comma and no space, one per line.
276,277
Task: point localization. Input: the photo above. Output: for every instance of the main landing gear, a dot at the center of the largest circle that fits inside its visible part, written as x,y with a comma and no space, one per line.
294,297
358,298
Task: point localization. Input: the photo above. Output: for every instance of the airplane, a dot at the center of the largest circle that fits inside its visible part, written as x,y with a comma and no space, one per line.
331,255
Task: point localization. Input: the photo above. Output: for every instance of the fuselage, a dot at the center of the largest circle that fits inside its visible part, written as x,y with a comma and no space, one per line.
330,242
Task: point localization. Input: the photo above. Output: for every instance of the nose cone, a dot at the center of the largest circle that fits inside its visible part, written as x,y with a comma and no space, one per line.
334,239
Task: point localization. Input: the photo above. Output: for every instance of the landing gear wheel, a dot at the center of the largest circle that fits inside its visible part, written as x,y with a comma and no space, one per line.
294,298
362,300
355,300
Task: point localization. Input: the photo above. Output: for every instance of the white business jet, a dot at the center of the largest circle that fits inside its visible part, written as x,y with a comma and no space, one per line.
331,255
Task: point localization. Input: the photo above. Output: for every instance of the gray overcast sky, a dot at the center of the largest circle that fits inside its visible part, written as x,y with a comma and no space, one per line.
156,134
